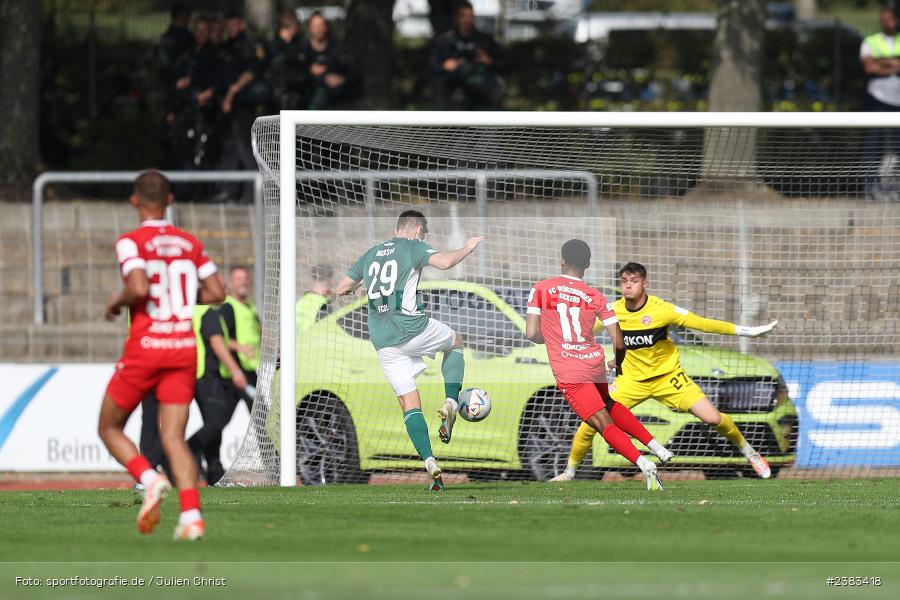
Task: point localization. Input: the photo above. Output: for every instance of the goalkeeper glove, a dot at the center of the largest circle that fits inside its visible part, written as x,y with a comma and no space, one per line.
745,331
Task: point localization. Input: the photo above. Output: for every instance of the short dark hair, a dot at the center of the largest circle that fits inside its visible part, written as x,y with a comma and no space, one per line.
233,13
238,268
411,218
633,267
576,253
180,11
463,4
152,187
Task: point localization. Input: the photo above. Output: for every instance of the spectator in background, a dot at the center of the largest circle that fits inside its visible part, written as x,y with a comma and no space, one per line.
880,57
243,91
335,80
288,75
196,144
313,304
216,31
468,63
174,43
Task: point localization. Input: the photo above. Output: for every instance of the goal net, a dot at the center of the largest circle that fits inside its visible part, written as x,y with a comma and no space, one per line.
794,218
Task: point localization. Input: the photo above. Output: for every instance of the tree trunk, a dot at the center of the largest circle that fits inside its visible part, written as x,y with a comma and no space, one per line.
735,85
370,37
20,67
260,14
441,15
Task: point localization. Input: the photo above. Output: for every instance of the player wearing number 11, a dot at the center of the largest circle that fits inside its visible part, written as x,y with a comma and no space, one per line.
562,312
402,332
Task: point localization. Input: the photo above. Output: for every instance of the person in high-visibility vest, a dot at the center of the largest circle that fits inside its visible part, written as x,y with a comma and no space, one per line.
240,317
219,379
880,58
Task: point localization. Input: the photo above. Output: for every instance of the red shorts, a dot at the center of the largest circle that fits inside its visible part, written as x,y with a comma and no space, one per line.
586,399
173,377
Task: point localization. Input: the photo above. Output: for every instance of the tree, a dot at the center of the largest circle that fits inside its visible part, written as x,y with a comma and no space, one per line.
20,60
370,36
735,84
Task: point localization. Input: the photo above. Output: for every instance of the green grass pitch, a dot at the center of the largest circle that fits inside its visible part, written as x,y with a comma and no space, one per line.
696,539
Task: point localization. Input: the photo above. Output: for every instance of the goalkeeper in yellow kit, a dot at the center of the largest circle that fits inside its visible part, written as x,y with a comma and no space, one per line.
652,368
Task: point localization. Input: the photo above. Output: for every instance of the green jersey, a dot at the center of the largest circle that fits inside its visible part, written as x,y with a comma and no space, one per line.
391,271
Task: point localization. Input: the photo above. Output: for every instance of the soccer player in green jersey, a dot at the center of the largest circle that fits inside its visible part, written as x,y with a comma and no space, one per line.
401,331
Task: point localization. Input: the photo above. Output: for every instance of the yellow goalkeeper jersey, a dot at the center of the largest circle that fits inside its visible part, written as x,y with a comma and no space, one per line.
646,331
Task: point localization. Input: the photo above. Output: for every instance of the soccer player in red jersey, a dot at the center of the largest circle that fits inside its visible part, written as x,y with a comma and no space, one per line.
562,312
163,268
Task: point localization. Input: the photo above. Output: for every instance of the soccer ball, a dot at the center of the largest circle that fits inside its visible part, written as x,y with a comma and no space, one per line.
474,405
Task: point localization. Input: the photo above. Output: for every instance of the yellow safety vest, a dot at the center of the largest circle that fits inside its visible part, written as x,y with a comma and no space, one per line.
879,46
199,311
246,325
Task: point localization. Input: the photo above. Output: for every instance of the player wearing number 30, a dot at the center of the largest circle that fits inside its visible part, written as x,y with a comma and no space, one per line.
401,331
652,368
166,271
562,312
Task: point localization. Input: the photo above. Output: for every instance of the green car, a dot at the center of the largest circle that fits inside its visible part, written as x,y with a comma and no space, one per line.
349,424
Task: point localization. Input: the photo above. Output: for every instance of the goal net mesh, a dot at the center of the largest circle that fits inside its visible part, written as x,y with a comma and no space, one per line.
739,224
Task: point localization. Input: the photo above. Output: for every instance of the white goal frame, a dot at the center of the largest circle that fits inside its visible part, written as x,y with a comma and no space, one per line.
288,175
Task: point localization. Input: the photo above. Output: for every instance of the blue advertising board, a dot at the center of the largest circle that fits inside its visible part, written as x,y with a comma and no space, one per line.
849,412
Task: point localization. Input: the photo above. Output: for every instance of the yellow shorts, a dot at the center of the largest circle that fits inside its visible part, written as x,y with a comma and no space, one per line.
676,390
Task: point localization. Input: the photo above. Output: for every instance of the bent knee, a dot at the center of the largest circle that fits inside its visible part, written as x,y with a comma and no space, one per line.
458,341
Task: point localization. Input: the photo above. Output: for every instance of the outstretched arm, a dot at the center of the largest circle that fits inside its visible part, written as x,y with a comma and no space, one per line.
533,328
448,260
692,321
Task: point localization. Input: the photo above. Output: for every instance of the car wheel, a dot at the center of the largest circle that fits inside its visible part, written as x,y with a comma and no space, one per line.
327,450
545,434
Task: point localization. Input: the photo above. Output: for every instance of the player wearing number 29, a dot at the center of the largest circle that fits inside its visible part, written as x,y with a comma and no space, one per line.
652,368
163,268
562,312
401,331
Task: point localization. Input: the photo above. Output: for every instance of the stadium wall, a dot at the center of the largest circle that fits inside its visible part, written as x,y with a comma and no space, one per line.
48,419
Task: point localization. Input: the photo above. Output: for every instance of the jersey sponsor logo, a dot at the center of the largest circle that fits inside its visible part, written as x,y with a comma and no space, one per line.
150,343
679,310
588,356
168,245
644,338
169,327
570,294
646,319
385,252
578,347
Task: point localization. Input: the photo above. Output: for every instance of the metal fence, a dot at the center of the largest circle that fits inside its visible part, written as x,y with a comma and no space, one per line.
113,177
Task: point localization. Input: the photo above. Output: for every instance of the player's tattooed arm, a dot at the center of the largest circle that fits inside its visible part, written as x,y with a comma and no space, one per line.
533,328
615,332
347,286
137,286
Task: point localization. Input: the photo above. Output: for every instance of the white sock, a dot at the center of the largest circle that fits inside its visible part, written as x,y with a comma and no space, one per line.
189,516
571,470
748,451
147,476
655,447
453,403
643,462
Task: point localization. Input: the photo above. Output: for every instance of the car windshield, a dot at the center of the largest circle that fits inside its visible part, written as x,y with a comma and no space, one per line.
483,327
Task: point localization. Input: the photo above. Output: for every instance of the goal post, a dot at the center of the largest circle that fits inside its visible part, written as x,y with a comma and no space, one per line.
386,142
